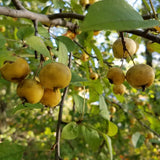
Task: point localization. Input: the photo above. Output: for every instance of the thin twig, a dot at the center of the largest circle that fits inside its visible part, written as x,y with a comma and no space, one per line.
154,12
138,119
149,36
125,48
58,130
35,23
78,44
147,127
18,5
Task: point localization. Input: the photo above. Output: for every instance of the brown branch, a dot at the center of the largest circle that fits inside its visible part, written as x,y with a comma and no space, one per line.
35,16
18,5
58,130
35,23
149,36
57,20
67,15
147,127
146,17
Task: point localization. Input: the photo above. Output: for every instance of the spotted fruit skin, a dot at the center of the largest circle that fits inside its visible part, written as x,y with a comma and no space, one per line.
115,75
15,71
30,90
140,76
55,75
118,48
51,97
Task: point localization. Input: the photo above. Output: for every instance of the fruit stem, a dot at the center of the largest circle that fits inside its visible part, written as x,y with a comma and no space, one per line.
154,12
35,23
143,88
125,48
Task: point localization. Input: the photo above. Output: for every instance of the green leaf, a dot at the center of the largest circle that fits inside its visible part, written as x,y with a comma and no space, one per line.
24,32
103,108
114,15
98,54
91,137
2,41
70,131
95,89
137,139
109,144
58,4
146,5
80,104
5,55
12,23
112,129
76,78
62,53
45,9
68,43
153,47
44,32
37,44
11,151
25,107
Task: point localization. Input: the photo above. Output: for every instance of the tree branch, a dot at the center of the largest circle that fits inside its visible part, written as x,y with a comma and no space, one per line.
57,20
147,127
35,16
67,15
58,130
18,5
142,33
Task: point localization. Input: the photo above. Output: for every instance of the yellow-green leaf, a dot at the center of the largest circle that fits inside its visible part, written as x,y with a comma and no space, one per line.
112,129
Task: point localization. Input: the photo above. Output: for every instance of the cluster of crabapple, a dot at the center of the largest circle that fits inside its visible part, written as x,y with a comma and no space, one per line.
46,90
139,76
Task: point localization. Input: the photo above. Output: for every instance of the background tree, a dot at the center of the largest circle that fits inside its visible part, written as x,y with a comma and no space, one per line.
93,120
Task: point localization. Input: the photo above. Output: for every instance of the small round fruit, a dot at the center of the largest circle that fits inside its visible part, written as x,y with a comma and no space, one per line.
95,33
2,28
119,89
113,109
70,35
84,57
93,76
140,76
30,90
92,1
115,75
118,48
150,135
133,121
84,2
55,75
15,71
51,97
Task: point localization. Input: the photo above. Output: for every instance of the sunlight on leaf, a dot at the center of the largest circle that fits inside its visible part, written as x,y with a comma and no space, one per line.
70,131
112,129
37,44
103,108
119,15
